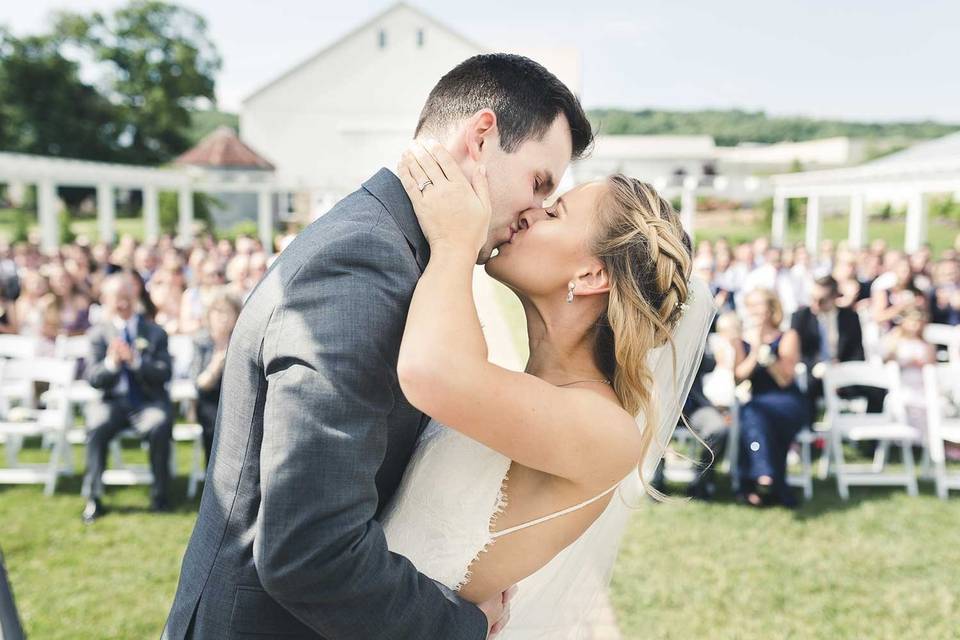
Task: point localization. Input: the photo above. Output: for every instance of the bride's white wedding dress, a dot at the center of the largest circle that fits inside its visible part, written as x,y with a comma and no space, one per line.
440,519
441,514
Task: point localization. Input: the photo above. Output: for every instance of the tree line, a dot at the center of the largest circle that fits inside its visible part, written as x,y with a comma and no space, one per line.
734,126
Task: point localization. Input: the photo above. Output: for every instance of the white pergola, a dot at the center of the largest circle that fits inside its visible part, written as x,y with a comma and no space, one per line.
912,176
50,173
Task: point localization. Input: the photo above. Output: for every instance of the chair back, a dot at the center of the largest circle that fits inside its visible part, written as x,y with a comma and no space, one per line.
181,352
72,347
862,374
17,347
941,387
944,335
54,371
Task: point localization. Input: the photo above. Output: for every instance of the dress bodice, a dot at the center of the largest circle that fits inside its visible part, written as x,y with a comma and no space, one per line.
441,518
441,514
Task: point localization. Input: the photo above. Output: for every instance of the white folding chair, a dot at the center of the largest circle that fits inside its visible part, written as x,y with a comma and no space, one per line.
56,419
887,427
183,393
942,389
181,352
944,335
17,391
805,439
872,340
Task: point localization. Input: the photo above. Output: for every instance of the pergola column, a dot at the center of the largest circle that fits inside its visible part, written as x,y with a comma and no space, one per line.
185,219
688,208
779,231
916,233
813,223
858,222
106,212
265,219
47,215
151,214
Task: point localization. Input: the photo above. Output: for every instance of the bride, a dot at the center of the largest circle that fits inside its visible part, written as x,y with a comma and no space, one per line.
537,467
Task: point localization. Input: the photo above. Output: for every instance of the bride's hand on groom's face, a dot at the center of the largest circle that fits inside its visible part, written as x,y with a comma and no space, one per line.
454,211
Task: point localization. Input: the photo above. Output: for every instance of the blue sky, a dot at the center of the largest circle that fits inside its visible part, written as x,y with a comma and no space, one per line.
850,59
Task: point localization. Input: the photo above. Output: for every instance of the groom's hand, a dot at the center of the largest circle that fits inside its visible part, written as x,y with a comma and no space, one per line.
497,610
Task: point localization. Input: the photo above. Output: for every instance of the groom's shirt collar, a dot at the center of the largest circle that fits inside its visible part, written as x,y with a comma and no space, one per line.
385,186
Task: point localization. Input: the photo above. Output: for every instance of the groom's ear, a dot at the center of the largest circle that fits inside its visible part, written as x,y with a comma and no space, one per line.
481,130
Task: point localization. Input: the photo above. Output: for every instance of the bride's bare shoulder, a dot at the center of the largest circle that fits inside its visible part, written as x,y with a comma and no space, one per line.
619,437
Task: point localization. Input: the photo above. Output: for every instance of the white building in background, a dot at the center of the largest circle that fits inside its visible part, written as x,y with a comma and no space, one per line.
333,120
678,163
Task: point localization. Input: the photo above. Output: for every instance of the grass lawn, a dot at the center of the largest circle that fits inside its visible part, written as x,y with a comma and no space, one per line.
881,566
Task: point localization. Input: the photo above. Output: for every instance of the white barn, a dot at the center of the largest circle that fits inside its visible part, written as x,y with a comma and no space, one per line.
333,120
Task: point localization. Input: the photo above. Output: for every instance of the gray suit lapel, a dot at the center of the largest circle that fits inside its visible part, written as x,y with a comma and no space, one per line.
385,186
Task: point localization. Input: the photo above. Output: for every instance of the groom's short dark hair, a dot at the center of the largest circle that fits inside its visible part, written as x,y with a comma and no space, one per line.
525,97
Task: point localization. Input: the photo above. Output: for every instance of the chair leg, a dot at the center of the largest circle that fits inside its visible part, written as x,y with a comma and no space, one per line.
823,471
117,453
53,467
14,444
195,468
733,448
907,448
926,466
880,456
807,470
842,487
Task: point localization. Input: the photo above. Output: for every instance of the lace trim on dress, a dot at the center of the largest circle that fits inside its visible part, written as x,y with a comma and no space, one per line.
499,508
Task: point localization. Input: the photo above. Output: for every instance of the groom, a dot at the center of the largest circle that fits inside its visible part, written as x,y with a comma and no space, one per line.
313,433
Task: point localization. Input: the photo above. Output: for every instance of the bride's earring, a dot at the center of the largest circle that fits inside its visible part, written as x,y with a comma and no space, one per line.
570,289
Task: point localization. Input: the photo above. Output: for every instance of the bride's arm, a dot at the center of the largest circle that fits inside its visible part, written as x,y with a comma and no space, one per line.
443,368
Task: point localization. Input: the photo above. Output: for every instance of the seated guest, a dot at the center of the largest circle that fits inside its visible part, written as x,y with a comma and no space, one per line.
895,295
828,333
944,297
905,345
708,423
130,363
210,355
774,276
777,409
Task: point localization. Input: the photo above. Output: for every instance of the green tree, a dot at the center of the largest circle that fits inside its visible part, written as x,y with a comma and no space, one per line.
161,63
44,106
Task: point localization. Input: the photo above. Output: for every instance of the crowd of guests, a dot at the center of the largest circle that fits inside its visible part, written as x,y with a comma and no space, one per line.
782,306
130,300
777,307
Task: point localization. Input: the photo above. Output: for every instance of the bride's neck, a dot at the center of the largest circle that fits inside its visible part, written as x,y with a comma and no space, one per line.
561,342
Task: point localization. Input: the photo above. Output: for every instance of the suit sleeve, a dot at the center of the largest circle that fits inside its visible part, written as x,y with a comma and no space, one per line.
155,364
330,355
97,373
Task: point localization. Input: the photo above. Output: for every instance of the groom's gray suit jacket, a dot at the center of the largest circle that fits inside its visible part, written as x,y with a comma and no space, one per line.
312,438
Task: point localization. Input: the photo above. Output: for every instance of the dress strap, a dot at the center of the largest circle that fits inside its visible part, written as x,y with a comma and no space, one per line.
542,519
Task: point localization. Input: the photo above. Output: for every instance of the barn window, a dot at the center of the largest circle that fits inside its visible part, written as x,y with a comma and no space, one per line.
419,37
382,38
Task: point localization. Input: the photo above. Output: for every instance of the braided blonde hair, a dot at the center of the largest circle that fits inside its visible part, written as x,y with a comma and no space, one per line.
647,255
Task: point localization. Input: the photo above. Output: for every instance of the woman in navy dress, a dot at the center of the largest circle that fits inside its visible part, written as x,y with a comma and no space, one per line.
777,409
